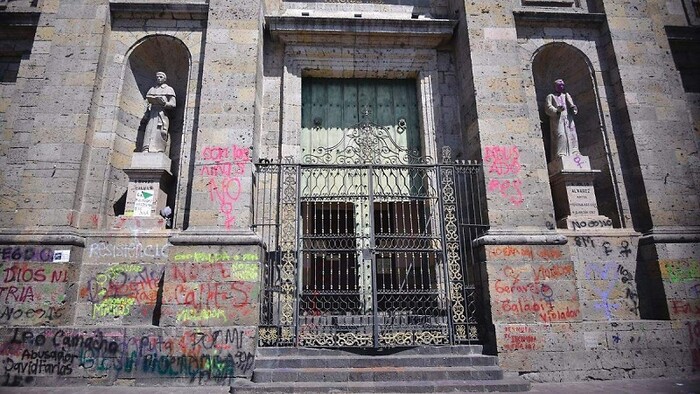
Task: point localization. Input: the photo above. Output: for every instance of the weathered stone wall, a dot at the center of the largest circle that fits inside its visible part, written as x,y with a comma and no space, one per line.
129,308
85,294
130,303
572,312
39,284
567,304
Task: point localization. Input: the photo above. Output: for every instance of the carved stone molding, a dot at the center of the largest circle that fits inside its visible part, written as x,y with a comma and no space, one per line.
416,33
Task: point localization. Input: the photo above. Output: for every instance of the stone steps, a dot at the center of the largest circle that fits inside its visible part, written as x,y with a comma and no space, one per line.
357,361
419,369
375,374
439,386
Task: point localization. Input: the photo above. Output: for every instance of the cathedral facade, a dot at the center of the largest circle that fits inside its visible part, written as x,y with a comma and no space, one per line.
222,176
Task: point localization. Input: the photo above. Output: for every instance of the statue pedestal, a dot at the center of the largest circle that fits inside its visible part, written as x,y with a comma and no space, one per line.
575,202
149,178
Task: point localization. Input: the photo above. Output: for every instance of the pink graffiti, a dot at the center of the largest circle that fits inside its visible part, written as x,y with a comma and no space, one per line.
509,189
503,163
502,159
224,183
226,194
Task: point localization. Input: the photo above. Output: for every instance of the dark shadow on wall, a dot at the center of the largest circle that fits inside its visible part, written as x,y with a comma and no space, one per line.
650,287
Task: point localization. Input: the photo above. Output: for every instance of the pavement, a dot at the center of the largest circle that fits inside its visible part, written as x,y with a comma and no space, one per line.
627,386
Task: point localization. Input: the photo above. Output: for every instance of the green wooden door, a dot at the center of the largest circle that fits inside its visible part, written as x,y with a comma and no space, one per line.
333,109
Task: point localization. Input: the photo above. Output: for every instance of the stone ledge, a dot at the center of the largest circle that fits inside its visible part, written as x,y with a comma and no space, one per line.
337,31
206,236
42,237
519,237
552,17
599,232
184,10
671,235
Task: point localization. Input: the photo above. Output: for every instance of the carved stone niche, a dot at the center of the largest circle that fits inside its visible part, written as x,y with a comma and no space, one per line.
575,203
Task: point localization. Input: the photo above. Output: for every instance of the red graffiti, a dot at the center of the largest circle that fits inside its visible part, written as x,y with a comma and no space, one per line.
224,186
211,295
684,307
17,294
520,338
509,189
502,159
555,271
226,194
694,335
508,251
503,163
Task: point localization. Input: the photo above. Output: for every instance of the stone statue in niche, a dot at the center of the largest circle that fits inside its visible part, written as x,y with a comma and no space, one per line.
561,110
160,98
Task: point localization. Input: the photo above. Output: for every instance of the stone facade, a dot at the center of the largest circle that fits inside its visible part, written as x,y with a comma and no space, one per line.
92,294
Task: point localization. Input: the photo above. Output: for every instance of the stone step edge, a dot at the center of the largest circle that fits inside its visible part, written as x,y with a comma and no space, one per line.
382,369
512,382
418,350
377,357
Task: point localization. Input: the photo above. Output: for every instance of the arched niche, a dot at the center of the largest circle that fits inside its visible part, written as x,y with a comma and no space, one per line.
150,55
563,61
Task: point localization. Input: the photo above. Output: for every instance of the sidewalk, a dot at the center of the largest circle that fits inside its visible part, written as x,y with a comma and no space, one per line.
627,386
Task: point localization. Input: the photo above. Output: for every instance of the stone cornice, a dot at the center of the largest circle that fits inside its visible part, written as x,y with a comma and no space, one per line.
426,33
75,237
516,236
557,17
663,235
205,236
181,10
42,237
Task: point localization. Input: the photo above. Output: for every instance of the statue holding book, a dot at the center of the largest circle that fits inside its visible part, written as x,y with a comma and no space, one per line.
160,98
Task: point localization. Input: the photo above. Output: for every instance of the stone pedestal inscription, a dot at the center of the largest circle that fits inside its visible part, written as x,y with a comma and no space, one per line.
149,177
575,202
582,199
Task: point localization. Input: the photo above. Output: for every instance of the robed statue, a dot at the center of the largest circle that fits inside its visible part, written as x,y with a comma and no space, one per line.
160,99
561,110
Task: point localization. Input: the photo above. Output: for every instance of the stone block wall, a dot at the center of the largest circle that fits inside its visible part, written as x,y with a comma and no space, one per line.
572,312
128,310
39,284
85,295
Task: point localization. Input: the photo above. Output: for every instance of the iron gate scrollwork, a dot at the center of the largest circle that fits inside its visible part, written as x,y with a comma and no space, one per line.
368,253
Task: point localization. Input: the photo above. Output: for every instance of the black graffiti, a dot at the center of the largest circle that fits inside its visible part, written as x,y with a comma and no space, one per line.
625,275
26,254
634,297
591,223
625,249
606,248
36,367
218,337
95,342
199,357
49,313
208,367
584,242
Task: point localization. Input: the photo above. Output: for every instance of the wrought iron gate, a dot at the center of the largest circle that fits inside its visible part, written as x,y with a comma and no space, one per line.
368,254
